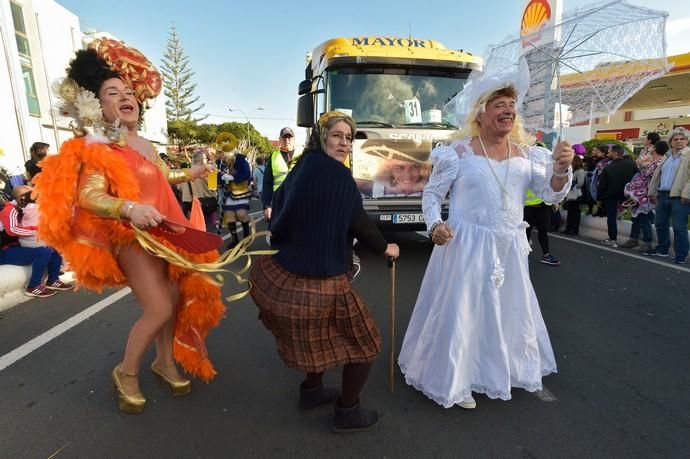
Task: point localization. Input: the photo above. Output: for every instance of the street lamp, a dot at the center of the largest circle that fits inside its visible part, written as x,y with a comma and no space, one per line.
247,117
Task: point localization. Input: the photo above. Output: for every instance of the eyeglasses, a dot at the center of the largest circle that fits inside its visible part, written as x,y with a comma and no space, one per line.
340,137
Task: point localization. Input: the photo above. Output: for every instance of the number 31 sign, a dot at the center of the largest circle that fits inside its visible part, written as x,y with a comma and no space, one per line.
413,111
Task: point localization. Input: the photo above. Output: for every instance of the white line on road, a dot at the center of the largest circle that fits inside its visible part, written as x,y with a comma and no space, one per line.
545,395
27,348
46,337
621,252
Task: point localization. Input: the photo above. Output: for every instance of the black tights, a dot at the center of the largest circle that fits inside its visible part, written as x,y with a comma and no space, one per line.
354,377
539,216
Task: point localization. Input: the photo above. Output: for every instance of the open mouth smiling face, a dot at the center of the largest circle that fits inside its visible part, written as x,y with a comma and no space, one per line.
118,101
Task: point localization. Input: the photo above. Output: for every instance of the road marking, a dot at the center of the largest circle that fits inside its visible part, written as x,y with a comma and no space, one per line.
651,259
545,395
27,348
46,337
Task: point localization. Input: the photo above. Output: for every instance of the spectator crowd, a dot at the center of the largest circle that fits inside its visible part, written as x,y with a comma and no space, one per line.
651,190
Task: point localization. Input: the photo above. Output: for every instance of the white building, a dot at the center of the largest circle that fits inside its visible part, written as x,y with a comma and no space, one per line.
39,38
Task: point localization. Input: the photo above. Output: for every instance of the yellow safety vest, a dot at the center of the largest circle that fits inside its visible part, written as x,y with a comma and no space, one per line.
531,199
279,168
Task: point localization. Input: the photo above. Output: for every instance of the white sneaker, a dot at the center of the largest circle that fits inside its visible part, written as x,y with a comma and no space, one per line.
468,403
609,242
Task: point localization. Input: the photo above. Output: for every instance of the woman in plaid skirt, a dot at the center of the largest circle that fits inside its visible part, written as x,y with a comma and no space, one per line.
303,292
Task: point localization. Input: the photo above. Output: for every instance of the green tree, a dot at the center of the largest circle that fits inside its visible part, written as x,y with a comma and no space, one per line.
239,130
590,145
206,134
177,81
182,132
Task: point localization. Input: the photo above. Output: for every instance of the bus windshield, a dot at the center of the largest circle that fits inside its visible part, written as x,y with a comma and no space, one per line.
393,96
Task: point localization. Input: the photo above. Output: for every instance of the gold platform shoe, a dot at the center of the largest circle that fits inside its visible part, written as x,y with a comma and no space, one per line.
126,390
178,386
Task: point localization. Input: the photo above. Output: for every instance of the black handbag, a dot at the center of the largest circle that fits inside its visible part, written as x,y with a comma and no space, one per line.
208,205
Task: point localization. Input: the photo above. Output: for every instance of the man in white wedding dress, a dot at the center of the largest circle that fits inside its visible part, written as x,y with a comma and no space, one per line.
476,326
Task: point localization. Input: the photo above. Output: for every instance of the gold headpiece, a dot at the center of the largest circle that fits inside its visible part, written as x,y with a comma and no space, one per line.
132,66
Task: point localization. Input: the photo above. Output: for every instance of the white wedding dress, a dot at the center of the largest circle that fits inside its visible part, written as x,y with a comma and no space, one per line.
476,326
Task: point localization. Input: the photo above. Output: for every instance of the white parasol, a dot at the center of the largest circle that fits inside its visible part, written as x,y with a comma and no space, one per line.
595,59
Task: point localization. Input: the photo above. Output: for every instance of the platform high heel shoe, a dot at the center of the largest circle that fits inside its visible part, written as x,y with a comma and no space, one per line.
126,390
179,386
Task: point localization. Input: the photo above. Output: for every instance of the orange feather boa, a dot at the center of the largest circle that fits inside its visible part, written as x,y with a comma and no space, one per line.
95,267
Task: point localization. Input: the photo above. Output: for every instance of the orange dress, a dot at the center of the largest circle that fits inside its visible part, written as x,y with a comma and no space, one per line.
89,241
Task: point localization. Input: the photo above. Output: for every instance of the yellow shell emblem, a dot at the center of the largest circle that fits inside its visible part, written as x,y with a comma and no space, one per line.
226,141
536,14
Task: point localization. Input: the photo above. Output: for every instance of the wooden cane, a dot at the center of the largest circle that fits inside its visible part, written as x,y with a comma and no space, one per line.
391,265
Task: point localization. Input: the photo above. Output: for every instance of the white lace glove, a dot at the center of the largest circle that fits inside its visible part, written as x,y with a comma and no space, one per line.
226,178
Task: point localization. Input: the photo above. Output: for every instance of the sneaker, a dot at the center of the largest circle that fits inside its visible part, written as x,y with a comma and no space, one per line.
40,291
549,259
630,244
679,261
610,242
59,285
468,403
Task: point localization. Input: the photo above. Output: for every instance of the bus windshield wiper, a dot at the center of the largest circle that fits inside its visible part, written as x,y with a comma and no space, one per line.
374,123
441,125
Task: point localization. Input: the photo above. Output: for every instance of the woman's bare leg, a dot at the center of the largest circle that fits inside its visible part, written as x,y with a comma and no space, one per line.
164,338
147,277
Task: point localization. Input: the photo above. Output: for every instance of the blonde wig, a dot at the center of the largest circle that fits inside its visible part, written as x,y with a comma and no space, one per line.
518,135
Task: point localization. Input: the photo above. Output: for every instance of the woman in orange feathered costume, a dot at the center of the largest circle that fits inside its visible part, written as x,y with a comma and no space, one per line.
106,179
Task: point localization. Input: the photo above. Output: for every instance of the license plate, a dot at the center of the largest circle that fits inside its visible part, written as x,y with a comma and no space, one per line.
408,218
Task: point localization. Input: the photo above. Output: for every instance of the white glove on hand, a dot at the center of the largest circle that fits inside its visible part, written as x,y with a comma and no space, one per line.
226,177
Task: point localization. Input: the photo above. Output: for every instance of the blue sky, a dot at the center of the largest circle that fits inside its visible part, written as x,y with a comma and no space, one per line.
251,54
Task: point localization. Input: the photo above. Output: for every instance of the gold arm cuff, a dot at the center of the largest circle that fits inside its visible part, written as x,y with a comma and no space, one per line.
176,176
93,196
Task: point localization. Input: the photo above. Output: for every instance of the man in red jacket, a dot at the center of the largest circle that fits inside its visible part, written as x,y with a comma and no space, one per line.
41,259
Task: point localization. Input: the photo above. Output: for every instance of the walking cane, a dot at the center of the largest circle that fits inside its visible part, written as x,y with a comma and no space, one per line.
391,265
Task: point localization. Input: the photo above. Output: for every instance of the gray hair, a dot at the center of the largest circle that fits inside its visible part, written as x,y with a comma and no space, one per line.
679,131
198,157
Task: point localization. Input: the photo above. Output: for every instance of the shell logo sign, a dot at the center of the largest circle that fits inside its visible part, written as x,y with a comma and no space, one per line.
536,14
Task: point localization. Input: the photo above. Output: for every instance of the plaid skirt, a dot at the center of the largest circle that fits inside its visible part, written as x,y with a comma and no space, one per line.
317,323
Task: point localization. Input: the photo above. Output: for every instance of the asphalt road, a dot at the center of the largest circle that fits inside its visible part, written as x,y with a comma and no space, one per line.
619,326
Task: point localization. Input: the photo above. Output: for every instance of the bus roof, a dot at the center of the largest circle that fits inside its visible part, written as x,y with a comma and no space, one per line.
383,49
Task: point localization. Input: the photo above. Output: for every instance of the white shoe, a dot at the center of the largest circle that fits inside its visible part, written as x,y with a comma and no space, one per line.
468,403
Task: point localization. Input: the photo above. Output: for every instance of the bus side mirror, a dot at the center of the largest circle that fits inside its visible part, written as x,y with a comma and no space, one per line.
305,111
304,87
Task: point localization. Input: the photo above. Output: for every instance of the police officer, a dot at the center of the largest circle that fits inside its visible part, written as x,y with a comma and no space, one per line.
277,168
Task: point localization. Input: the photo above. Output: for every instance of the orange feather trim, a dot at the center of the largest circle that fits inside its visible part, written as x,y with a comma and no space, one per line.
96,268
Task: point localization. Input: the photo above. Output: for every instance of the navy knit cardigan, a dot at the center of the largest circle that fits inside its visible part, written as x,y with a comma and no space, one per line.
316,213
